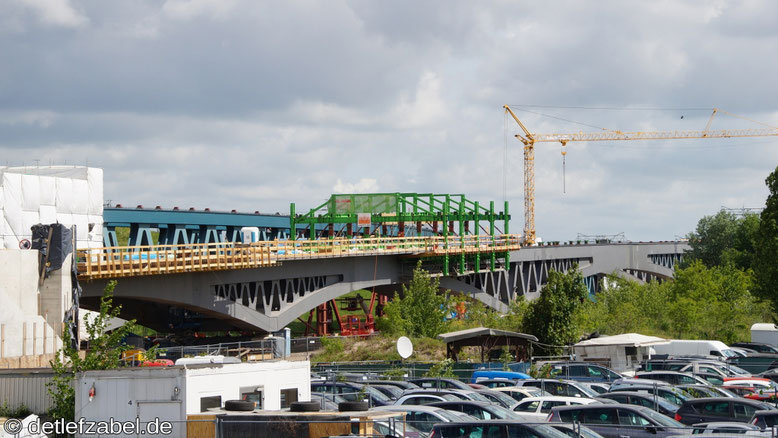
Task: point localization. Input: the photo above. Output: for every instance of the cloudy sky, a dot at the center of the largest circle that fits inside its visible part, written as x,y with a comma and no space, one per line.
250,105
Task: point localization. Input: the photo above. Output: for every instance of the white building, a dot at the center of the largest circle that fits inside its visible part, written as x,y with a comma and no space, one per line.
171,394
624,351
69,195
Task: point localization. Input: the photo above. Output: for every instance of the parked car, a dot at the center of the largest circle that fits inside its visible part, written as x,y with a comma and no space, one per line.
694,366
756,346
583,372
390,391
424,417
645,399
480,410
480,375
728,427
497,383
765,419
424,398
520,393
402,384
565,388
498,397
618,421
575,431
434,382
703,410
666,391
497,429
672,377
537,408
701,391
599,388
677,347
351,391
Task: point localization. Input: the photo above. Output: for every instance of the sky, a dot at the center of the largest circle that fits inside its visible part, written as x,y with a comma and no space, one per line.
251,105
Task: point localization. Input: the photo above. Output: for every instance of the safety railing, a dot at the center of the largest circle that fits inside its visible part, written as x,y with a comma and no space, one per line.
123,261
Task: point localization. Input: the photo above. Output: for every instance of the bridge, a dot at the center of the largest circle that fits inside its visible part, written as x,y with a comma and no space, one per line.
266,287
218,271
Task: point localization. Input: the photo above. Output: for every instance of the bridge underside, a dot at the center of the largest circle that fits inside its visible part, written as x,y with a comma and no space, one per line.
268,299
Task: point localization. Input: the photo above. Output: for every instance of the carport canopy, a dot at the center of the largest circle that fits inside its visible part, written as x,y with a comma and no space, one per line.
487,339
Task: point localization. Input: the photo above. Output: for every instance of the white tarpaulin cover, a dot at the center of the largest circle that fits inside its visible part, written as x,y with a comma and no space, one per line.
69,195
627,340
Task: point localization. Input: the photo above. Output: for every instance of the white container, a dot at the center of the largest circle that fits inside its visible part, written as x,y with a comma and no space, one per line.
764,334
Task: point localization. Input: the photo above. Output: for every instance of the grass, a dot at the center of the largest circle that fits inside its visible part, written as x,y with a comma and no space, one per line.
377,347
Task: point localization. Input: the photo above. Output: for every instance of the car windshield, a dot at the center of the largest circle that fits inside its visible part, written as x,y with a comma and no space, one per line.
571,432
472,395
449,397
550,432
736,371
502,413
728,353
723,391
393,390
504,398
588,391
376,394
660,419
454,416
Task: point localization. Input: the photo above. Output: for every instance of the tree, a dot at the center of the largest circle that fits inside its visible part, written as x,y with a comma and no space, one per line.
724,239
766,254
552,317
105,352
420,310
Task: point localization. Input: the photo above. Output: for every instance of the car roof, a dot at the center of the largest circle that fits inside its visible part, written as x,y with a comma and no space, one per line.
462,402
770,412
724,399
558,398
408,408
598,406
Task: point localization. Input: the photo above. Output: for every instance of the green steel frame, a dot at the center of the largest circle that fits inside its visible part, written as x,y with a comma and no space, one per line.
453,212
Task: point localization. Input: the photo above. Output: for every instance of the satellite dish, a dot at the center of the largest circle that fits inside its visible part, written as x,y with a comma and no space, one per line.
404,347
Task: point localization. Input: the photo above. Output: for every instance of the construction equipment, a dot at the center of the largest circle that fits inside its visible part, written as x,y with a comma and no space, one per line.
529,139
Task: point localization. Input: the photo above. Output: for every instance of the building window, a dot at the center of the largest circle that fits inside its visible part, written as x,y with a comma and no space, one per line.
253,394
288,396
210,402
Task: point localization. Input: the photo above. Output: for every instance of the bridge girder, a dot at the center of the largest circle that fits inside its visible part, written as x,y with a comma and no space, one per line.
268,299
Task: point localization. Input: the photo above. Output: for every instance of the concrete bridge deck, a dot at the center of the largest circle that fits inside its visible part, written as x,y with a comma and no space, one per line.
269,297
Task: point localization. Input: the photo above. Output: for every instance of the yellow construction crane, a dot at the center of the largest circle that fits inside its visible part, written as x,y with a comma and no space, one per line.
530,139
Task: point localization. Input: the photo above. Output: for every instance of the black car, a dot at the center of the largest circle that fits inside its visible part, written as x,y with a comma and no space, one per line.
705,410
480,410
618,421
645,399
402,384
583,372
672,377
756,346
669,393
494,429
352,392
433,382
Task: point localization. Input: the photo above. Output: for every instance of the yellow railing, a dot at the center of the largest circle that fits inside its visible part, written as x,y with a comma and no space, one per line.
126,261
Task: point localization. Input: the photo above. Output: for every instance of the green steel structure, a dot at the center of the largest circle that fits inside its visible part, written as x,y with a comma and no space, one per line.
404,214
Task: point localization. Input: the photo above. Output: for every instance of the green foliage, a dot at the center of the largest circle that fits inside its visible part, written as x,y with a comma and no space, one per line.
701,303
544,372
105,352
444,368
479,315
20,411
766,251
506,357
552,317
420,311
724,239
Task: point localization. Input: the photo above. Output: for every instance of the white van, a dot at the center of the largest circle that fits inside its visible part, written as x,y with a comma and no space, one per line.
682,347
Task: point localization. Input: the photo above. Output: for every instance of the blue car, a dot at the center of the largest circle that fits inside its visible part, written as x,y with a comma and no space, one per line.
493,375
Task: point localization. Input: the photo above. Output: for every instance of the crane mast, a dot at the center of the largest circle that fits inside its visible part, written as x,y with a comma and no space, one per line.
529,140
